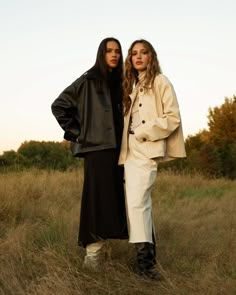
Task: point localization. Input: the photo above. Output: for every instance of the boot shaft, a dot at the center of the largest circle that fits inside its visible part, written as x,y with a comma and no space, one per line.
146,260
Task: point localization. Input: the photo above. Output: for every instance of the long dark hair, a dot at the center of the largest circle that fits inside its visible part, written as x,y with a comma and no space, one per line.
131,75
100,65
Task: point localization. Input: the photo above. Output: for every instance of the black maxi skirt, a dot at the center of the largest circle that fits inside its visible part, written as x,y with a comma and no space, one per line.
103,213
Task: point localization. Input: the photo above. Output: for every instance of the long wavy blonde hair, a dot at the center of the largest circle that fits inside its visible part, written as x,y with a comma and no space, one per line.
131,75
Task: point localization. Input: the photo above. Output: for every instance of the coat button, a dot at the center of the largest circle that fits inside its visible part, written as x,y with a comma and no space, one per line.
144,139
140,104
141,89
143,121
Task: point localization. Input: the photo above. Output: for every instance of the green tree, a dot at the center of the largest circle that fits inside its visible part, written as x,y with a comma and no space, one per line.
47,155
222,133
222,123
11,159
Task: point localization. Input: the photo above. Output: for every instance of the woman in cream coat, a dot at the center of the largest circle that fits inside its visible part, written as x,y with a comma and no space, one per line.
152,133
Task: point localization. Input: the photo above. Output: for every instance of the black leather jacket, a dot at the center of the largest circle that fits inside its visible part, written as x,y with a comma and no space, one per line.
86,115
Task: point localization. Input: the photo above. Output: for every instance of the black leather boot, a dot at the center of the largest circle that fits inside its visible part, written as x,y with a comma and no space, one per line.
146,259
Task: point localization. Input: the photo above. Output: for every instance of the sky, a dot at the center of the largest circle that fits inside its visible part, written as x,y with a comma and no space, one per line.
46,44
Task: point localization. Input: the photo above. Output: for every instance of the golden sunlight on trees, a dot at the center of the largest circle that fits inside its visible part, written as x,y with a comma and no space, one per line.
213,152
210,152
222,122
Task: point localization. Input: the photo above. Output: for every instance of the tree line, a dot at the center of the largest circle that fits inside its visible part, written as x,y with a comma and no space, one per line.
41,155
211,152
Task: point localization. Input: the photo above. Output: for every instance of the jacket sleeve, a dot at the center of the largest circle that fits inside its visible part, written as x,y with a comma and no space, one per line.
161,126
65,110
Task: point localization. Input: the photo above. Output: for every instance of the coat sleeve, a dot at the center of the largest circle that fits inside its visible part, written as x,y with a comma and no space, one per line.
163,125
65,110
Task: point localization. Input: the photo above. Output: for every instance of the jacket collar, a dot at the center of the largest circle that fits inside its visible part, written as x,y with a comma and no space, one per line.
92,74
141,77
140,83
141,80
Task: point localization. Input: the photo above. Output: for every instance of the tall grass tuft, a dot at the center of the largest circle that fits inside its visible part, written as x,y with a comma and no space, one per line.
39,215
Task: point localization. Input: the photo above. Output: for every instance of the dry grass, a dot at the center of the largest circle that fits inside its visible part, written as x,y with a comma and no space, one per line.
39,214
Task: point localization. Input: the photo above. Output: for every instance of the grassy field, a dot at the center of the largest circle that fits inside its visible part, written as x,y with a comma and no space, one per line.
39,215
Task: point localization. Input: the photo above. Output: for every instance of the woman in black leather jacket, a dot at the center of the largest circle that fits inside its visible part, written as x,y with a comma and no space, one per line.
90,113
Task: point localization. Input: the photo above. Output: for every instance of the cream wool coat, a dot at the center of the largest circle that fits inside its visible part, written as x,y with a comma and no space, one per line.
160,135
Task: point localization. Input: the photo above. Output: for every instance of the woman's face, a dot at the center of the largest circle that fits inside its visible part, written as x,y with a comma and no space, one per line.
140,57
112,55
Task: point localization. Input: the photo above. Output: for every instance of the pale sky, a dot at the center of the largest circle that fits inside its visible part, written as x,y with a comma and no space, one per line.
46,44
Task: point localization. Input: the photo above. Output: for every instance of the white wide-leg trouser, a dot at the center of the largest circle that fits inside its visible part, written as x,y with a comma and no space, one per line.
140,175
